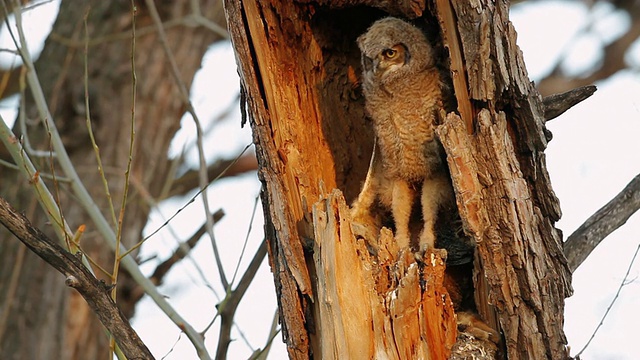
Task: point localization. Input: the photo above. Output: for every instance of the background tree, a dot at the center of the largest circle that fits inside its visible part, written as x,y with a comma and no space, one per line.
59,325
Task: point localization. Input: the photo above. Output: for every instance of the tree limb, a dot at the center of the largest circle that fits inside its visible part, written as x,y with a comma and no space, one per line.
556,104
229,306
182,251
610,217
227,167
78,277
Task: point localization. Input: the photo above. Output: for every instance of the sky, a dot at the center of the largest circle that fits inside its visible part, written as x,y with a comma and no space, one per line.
593,155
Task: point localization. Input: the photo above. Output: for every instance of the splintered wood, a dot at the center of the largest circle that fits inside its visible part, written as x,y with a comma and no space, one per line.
382,306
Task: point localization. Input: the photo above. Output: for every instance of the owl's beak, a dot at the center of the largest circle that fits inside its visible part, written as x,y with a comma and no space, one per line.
376,63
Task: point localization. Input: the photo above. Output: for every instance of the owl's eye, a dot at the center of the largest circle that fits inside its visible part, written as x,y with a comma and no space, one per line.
390,53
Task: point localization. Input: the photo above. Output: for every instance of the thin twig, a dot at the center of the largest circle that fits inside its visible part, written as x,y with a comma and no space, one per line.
228,307
22,121
264,352
46,200
623,283
246,239
132,136
182,251
42,175
221,168
152,203
172,347
96,148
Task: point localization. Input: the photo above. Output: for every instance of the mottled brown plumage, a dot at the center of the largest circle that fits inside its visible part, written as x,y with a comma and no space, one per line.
402,89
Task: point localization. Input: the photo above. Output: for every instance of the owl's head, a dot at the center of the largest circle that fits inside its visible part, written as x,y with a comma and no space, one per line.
393,48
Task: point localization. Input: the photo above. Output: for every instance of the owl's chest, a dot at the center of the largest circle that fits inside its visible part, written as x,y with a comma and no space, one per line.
404,142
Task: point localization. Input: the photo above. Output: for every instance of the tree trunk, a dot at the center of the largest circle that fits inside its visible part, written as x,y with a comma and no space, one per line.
299,65
40,317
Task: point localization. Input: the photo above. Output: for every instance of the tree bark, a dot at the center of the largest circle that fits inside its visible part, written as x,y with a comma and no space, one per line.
41,317
299,64
504,192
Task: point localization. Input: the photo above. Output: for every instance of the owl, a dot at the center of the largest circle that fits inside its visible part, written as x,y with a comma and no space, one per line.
403,97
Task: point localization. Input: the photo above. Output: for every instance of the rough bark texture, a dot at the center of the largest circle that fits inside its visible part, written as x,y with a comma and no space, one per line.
299,67
59,325
504,192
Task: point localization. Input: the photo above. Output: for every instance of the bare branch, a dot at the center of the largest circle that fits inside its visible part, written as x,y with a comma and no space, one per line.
184,93
610,217
450,32
261,354
228,307
182,251
179,254
95,293
556,104
221,168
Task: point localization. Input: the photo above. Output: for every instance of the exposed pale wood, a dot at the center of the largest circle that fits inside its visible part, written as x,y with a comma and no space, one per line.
373,307
458,71
308,124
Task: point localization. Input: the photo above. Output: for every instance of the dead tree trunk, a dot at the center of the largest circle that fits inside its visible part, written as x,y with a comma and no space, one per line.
299,66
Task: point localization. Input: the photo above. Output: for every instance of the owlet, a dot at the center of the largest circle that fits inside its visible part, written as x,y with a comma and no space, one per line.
402,89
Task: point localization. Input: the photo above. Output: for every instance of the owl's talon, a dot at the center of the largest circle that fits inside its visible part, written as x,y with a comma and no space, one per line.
364,231
427,241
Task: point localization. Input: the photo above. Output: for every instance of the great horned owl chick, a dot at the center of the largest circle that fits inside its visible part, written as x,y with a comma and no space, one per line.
402,89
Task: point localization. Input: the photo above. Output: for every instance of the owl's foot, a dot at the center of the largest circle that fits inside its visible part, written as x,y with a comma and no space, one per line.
365,231
427,240
423,255
364,225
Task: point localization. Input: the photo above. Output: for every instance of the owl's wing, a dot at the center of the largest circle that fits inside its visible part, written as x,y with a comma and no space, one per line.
371,186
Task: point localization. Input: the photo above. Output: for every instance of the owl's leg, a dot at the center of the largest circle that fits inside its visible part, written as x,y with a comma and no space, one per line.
361,208
365,223
435,192
401,203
